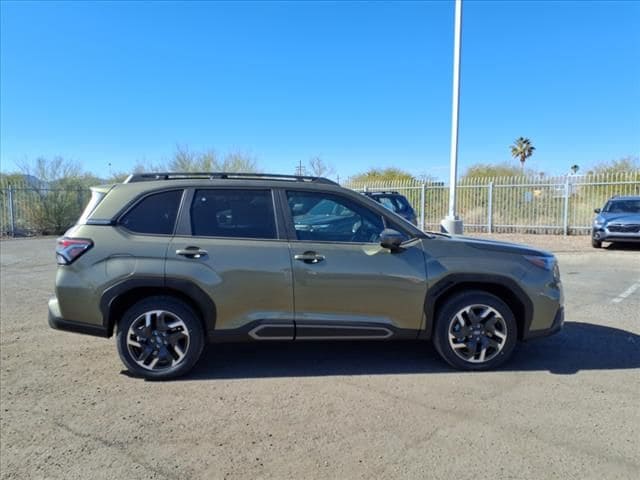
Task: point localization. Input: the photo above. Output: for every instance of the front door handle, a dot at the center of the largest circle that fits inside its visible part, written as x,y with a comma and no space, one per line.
192,252
309,257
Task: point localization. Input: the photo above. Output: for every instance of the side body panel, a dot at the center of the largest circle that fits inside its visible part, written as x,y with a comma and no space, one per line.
117,255
467,260
360,283
248,280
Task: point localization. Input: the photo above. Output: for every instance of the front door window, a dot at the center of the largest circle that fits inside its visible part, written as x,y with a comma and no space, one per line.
322,217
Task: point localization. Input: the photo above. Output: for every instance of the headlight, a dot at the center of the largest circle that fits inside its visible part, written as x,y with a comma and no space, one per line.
547,263
598,223
541,261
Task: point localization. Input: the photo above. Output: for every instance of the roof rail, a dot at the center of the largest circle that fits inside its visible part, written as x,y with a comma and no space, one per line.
153,176
382,192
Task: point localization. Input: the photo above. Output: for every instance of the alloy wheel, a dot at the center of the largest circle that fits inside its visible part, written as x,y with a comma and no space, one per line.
158,340
477,333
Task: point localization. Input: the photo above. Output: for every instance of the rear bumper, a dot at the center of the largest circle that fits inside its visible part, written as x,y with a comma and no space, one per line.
58,323
556,326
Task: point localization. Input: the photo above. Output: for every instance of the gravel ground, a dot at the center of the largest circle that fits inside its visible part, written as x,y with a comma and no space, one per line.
565,407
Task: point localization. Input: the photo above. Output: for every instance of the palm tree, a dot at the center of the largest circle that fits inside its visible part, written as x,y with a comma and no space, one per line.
522,149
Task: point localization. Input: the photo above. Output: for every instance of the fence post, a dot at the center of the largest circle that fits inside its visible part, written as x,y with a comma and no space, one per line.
422,208
490,209
565,211
12,217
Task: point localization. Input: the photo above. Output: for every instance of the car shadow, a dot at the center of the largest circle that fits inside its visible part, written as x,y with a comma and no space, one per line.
579,346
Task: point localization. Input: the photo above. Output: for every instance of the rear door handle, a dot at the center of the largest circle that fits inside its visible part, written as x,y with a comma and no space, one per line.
309,257
192,252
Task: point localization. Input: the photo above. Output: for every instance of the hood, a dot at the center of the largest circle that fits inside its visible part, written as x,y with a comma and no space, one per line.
624,218
498,246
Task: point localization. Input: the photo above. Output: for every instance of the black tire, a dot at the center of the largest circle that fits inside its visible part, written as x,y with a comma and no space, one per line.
596,243
190,343
475,301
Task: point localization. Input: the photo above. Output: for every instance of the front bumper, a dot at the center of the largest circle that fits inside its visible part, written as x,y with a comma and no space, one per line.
604,235
556,326
58,323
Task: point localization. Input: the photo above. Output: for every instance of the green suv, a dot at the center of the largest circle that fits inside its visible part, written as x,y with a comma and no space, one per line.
169,261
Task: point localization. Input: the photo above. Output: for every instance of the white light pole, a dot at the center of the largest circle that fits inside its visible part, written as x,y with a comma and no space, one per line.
452,224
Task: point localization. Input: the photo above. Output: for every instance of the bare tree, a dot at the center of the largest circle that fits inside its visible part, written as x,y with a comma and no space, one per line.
319,168
56,193
239,162
186,160
51,170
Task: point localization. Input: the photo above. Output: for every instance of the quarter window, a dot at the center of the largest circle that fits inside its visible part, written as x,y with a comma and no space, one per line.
331,218
233,213
155,214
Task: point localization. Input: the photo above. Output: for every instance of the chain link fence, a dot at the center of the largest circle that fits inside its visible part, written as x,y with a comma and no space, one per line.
551,205
539,205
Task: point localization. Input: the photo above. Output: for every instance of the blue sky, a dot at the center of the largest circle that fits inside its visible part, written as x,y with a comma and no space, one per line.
360,84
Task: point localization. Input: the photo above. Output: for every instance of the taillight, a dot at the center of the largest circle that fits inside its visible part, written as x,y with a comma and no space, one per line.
70,249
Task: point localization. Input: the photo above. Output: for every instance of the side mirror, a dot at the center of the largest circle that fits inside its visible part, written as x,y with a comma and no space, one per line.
596,210
391,239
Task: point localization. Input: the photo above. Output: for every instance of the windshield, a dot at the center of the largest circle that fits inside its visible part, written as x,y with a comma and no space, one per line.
622,206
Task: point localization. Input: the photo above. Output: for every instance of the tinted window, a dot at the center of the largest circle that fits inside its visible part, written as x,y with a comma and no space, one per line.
154,214
331,218
233,213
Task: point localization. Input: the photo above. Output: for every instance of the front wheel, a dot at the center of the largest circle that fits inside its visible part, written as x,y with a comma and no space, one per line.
596,243
475,331
160,338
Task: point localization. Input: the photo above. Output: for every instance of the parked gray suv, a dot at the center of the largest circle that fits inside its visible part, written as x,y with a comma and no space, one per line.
617,221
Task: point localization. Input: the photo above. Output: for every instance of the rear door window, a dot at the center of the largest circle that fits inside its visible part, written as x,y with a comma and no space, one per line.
233,213
155,214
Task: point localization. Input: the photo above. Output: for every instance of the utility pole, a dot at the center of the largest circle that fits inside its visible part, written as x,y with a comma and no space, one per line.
300,169
452,223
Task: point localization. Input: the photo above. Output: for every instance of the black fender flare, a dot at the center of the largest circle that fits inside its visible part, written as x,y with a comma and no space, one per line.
478,281
181,288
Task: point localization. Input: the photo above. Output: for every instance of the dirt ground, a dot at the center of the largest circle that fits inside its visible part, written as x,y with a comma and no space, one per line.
565,407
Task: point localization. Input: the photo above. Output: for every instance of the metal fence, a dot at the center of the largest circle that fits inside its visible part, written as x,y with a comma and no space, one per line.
28,208
542,205
551,205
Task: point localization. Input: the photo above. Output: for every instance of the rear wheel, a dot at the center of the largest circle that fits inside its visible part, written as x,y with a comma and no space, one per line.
160,338
475,331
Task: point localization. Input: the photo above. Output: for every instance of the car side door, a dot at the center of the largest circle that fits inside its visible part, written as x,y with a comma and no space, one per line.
230,244
346,285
